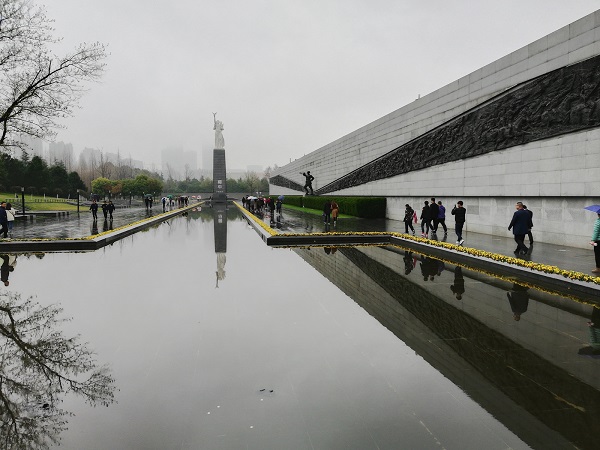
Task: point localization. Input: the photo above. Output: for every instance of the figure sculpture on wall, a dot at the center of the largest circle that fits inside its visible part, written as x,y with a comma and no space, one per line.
219,141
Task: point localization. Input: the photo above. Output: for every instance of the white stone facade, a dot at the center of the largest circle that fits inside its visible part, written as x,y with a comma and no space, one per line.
552,176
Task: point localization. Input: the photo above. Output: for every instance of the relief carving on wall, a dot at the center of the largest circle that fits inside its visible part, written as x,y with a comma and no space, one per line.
560,102
278,180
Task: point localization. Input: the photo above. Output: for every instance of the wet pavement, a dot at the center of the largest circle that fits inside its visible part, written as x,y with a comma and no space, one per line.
79,225
567,258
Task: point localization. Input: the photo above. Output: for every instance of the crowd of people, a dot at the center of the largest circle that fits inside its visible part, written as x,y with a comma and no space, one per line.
260,205
433,215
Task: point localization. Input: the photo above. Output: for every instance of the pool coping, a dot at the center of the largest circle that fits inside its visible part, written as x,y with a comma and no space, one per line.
586,288
89,243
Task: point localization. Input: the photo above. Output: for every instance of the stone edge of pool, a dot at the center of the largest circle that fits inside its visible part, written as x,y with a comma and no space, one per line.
93,242
550,278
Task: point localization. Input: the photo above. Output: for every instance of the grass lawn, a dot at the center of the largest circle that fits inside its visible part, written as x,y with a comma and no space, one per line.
37,203
316,212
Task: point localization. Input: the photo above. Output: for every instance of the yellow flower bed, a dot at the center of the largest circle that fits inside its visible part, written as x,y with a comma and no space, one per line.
571,274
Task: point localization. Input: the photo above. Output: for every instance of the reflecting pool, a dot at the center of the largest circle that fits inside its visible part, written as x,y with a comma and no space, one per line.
216,341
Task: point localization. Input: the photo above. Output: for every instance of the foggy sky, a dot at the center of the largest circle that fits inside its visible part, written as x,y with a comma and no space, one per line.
285,77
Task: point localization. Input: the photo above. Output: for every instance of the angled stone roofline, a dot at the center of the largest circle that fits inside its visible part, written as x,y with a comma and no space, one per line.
563,101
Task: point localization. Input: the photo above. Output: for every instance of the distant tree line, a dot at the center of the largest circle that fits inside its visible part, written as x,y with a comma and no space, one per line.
250,183
145,184
140,185
37,177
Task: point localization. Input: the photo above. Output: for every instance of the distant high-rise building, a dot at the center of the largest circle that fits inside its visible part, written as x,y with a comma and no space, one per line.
61,152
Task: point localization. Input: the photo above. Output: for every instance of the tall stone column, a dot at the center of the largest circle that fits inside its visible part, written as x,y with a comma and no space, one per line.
219,169
219,176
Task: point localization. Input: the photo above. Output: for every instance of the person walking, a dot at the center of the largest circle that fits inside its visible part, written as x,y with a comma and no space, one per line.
271,205
529,235
335,209
459,212
595,242
425,219
94,210
442,217
3,220
110,208
520,223
327,212
105,209
408,218
10,218
308,182
434,210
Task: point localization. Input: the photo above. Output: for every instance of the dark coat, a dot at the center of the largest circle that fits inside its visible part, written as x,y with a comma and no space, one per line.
434,210
521,222
459,214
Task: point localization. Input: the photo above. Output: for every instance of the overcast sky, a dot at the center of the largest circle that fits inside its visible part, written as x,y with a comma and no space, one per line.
285,77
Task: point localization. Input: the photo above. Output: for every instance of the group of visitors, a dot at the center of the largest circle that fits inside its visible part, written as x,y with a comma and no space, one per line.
107,209
521,224
433,215
259,205
7,219
330,212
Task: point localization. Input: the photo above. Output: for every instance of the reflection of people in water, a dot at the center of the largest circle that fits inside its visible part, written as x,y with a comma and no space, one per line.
519,300
459,283
8,265
429,268
594,335
409,262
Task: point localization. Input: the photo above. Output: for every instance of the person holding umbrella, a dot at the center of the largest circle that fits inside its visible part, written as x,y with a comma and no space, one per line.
596,236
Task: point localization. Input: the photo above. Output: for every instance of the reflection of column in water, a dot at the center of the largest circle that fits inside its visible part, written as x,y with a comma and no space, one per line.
220,230
221,260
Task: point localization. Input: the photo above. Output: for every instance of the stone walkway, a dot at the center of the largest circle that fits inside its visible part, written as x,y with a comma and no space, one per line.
79,225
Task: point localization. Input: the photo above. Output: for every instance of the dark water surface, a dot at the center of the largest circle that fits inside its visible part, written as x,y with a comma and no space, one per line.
216,341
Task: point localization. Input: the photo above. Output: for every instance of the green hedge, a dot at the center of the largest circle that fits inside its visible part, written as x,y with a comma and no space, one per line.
366,207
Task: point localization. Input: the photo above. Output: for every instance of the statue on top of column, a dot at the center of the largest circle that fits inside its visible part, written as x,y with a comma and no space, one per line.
219,141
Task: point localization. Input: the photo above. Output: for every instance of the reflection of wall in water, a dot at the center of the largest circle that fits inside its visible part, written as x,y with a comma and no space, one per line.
455,343
538,327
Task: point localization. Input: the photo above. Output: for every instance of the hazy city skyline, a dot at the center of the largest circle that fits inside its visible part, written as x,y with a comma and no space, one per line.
285,78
